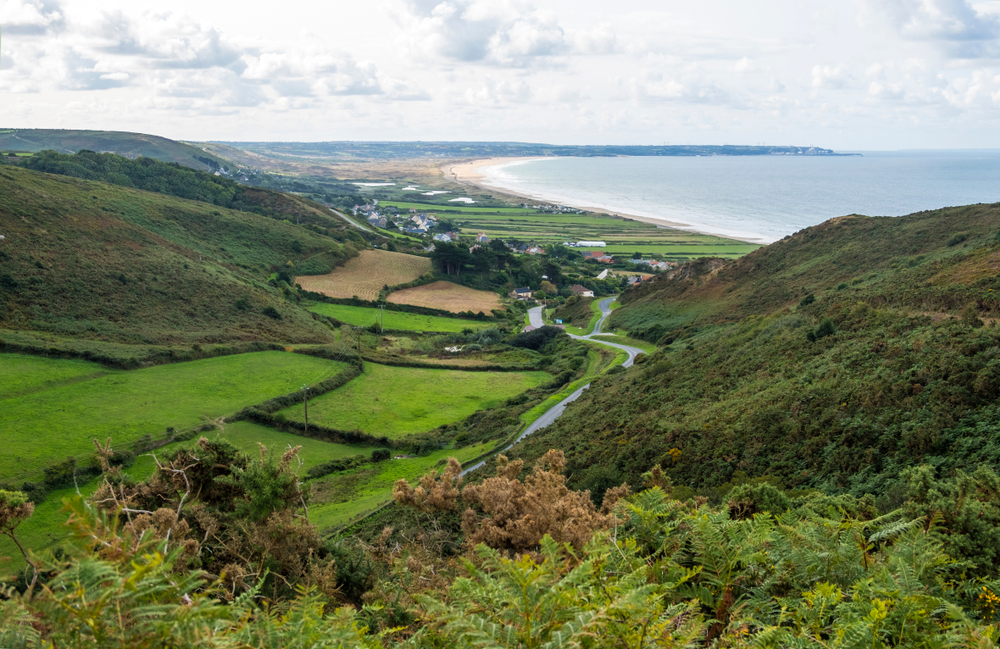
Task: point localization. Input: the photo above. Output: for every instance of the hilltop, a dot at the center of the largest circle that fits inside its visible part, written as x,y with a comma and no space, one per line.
128,145
98,261
833,360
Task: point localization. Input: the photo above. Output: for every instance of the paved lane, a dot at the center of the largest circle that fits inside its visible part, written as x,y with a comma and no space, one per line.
556,411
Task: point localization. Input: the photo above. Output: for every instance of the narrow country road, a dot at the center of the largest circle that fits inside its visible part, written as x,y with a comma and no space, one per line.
344,216
535,318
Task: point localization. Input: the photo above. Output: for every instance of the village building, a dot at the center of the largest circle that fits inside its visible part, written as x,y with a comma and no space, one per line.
521,293
582,291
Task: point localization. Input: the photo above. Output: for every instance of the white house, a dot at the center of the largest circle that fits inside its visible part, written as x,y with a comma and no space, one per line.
590,244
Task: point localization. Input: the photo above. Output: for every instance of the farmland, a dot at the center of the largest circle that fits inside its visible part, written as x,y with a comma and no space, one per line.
364,316
400,401
365,275
46,525
61,405
448,296
624,236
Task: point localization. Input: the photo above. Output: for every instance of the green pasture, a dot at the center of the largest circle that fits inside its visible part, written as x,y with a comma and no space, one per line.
65,404
47,525
400,401
364,316
339,498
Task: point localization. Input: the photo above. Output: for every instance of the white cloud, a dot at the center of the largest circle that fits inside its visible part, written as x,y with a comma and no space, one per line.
30,16
956,24
830,76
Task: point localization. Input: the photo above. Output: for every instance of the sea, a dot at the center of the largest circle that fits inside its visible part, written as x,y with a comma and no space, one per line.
758,198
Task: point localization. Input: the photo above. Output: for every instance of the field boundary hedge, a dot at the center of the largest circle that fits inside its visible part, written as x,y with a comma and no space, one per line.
393,306
396,362
151,358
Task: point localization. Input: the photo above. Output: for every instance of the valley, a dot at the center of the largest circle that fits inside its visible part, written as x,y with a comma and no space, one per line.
272,400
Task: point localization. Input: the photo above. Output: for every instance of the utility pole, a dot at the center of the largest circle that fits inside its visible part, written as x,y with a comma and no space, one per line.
382,310
305,404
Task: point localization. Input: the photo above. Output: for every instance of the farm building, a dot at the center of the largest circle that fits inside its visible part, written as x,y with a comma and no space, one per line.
598,255
590,244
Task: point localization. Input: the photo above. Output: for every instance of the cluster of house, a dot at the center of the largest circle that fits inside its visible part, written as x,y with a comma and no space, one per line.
421,224
652,263
525,249
552,208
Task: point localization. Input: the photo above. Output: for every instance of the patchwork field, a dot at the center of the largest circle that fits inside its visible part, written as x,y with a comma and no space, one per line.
400,401
449,297
59,406
366,274
623,236
364,316
46,525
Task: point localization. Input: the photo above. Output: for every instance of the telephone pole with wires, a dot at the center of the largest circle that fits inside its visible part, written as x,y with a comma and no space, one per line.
381,308
305,405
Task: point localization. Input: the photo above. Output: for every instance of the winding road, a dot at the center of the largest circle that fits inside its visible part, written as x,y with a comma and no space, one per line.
553,413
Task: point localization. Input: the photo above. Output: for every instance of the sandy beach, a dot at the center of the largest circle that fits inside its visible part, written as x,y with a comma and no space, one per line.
473,173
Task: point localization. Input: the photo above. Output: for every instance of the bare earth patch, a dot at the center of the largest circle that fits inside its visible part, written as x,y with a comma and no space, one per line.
449,297
366,274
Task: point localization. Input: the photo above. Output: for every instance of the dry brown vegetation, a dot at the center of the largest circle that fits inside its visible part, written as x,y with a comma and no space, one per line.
507,514
366,274
447,296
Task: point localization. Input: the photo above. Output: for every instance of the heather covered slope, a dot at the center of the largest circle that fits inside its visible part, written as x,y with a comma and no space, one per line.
893,362
934,261
89,259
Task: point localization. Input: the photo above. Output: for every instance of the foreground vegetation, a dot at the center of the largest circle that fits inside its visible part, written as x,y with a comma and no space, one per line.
541,565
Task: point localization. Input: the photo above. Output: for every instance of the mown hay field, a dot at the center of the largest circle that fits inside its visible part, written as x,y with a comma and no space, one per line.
400,401
449,297
365,275
59,406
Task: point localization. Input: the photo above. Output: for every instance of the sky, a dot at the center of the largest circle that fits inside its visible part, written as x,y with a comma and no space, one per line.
845,74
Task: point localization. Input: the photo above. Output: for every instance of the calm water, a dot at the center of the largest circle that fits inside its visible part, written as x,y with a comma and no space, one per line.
760,197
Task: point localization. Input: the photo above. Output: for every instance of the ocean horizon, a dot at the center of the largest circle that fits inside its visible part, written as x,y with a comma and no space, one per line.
758,198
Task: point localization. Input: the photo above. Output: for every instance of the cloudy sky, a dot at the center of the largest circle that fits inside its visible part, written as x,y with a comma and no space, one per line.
845,74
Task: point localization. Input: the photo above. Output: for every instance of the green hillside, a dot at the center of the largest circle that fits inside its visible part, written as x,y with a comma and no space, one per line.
129,145
175,180
89,259
830,360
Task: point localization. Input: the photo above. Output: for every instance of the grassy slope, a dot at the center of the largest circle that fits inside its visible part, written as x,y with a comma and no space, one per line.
882,260
125,144
62,405
364,316
904,380
400,401
141,267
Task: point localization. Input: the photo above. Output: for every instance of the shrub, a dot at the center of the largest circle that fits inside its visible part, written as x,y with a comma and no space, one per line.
807,300
271,312
381,454
957,239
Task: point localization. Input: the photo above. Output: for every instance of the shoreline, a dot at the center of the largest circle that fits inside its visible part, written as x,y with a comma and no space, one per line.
471,173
